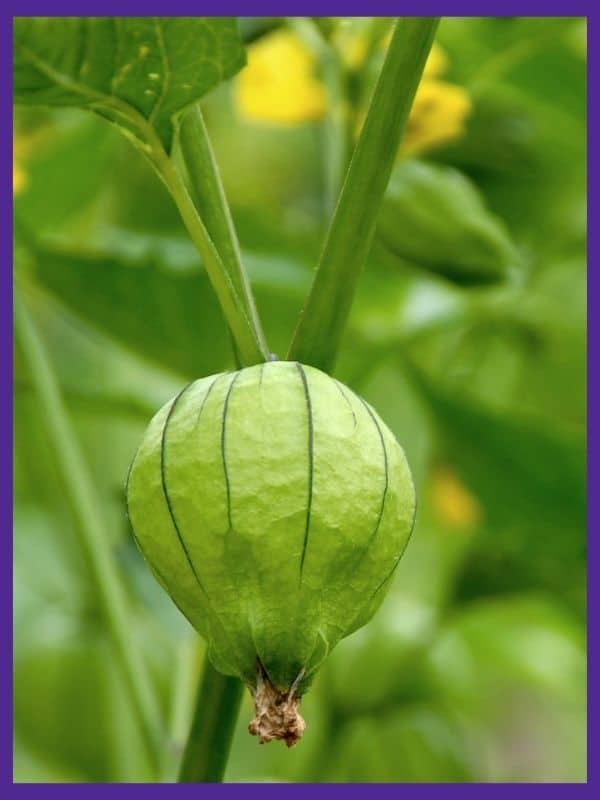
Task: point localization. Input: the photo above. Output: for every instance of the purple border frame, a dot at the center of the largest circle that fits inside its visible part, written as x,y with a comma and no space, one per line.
221,8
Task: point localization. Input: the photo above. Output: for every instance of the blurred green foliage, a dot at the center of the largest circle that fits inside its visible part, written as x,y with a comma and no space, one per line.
475,667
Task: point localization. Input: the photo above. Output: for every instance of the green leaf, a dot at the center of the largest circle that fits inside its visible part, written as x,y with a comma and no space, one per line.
406,745
29,766
87,513
99,402
69,701
526,139
514,670
379,666
503,638
529,477
151,295
169,316
129,69
57,154
139,73
506,347
72,706
435,217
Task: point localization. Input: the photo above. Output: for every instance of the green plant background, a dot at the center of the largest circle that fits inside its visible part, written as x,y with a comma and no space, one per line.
475,667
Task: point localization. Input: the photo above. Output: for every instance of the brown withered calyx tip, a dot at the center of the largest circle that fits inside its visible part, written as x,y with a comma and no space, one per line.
277,715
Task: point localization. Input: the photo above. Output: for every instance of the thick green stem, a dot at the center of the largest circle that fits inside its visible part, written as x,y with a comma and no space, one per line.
203,181
324,316
86,509
207,749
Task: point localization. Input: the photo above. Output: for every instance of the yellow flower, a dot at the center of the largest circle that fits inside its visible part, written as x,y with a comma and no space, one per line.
436,64
439,111
354,51
19,178
350,40
25,143
21,147
279,83
453,502
438,116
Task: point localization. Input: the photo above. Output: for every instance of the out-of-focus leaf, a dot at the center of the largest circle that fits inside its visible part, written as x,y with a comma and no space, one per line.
151,295
513,672
524,637
100,402
252,28
529,160
380,665
526,140
556,305
413,745
71,702
64,668
434,217
532,56
166,314
394,305
31,766
499,48
122,67
530,478
96,377
62,182
55,579
502,347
